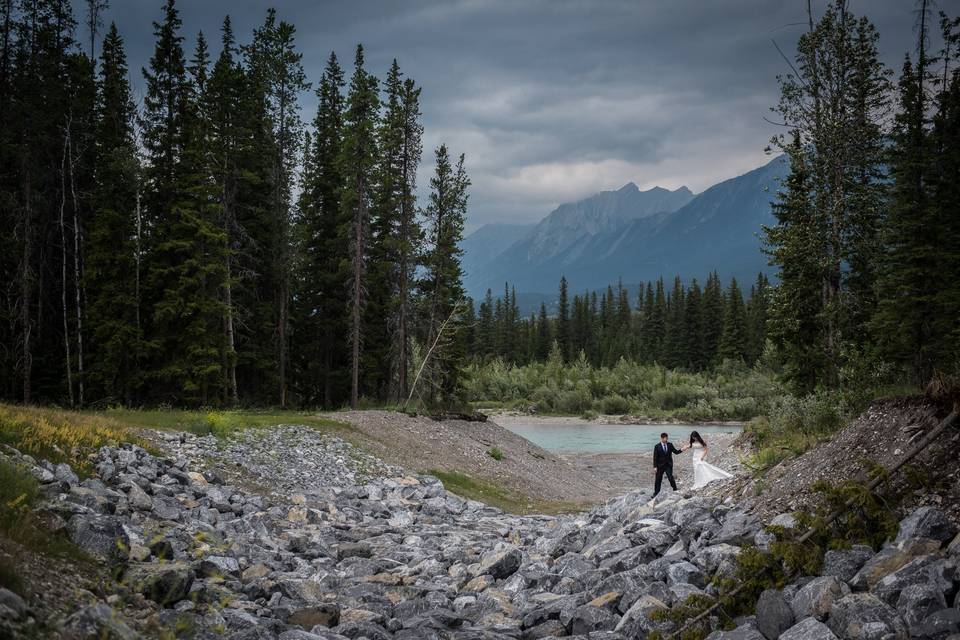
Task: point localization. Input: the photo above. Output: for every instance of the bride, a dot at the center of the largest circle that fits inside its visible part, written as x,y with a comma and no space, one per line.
703,471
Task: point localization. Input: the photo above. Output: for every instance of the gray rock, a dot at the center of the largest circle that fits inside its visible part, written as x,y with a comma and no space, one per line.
548,629
845,563
501,564
863,616
745,632
96,622
817,597
738,528
100,535
636,622
219,566
684,573
12,606
927,522
933,570
774,615
165,584
64,473
918,601
166,508
808,629
587,618
891,559
322,615
138,498
939,625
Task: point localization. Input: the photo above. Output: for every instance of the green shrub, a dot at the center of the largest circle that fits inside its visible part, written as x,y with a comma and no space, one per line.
615,405
495,453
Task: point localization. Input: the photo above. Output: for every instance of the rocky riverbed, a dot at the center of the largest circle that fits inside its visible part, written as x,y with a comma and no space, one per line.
213,540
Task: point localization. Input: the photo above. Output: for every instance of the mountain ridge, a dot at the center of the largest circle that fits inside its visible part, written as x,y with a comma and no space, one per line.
718,229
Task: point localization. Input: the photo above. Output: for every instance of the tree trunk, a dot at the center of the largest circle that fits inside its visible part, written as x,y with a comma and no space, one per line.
26,288
63,265
356,308
77,281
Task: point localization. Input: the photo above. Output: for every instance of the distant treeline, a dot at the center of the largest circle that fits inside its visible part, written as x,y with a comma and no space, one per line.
683,327
156,253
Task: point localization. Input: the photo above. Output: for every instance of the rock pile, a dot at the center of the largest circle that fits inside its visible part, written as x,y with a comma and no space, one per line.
401,558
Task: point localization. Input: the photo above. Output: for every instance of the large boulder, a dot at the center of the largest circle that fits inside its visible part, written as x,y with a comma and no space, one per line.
639,620
96,622
100,535
939,625
927,522
918,601
165,584
684,573
587,618
501,564
890,559
845,563
817,596
774,615
326,615
863,616
743,632
931,570
808,629
717,558
738,528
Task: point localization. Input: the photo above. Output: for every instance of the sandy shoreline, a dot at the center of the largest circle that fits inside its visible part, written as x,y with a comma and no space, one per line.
619,473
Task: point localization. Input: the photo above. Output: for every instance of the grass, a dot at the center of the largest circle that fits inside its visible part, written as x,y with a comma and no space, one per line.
19,494
218,423
61,436
495,453
500,497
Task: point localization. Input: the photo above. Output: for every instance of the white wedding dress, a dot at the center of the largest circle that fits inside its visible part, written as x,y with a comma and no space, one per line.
704,472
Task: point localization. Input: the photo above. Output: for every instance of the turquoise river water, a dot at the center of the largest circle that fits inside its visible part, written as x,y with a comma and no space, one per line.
586,437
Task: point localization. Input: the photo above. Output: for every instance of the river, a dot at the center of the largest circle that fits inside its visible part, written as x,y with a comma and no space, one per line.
566,436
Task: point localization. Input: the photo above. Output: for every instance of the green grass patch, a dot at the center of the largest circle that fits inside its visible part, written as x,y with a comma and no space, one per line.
495,453
61,436
500,497
218,423
19,494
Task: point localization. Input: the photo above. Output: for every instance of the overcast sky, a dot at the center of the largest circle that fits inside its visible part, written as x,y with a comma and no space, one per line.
553,100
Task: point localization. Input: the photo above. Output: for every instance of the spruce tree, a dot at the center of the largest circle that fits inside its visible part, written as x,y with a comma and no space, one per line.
564,337
544,337
733,341
323,230
714,309
441,287
112,256
693,352
357,166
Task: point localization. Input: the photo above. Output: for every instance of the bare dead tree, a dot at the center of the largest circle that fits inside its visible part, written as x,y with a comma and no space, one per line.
63,260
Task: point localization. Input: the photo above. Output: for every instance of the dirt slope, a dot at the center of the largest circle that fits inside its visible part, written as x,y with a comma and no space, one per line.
883,434
420,444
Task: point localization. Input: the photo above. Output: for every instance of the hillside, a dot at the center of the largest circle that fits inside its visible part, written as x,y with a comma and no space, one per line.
717,229
290,533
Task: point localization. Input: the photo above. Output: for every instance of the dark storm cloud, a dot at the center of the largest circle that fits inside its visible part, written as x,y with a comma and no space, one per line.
552,100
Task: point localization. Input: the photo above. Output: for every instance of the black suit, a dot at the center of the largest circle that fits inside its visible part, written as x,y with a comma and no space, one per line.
663,461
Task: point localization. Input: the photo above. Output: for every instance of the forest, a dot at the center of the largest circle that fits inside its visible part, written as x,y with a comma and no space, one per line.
211,247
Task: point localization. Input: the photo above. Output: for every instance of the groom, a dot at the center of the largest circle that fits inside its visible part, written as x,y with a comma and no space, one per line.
663,463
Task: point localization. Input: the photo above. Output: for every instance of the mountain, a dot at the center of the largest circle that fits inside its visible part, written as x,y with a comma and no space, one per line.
717,229
562,233
489,241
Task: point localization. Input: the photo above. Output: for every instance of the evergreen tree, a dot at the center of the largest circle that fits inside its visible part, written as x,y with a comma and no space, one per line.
675,338
693,352
834,106
757,307
323,230
358,164
441,286
714,309
544,337
794,322
564,337
112,257
733,341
